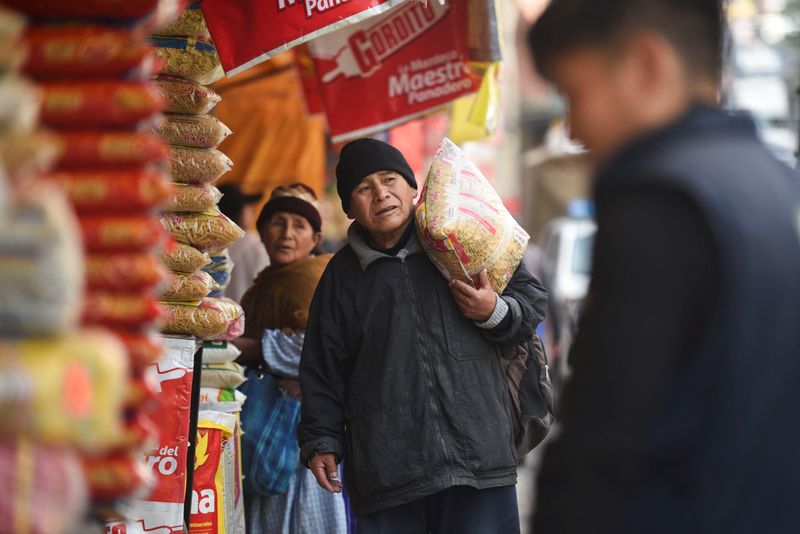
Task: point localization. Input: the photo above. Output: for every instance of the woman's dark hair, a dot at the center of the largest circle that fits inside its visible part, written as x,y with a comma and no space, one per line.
694,27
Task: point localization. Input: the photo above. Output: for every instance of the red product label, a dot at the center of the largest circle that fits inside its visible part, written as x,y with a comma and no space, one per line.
486,224
248,32
397,66
205,509
168,461
458,248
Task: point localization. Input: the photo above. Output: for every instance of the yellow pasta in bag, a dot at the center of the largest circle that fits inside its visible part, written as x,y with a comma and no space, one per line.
463,224
208,231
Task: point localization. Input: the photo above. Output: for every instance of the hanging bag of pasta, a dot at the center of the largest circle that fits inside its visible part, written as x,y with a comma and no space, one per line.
463,225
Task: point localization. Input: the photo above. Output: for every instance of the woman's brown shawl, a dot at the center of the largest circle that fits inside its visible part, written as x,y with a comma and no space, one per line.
280,297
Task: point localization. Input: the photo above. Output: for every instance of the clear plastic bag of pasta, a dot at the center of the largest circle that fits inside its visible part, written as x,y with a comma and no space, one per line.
195,166
186,97
206,319
194,197
208,231
193,131
463,224
183,258
188,287
190,58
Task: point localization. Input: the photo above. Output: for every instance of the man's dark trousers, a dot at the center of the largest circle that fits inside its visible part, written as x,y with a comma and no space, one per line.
457,510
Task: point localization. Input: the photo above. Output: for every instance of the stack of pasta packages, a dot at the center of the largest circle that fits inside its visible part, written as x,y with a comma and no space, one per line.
200,265
70,425
201,232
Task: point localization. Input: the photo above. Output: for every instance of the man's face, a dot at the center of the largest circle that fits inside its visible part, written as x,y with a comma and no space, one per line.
598,97
382,202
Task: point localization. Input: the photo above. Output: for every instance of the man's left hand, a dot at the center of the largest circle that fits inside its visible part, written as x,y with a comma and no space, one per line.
476,303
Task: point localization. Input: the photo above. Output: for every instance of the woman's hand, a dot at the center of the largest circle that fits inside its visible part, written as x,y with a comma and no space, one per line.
251,351
291,387
476,303
325,470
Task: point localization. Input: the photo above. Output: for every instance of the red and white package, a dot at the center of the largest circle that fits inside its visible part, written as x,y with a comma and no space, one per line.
162,509
249,32
400,65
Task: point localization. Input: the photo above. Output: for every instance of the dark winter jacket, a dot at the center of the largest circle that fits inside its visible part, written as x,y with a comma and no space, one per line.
399,384
687,425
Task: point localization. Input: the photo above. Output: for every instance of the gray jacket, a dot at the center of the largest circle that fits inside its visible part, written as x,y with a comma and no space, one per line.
399,384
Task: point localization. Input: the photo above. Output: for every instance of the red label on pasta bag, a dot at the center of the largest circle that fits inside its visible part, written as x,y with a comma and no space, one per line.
248,32
397,66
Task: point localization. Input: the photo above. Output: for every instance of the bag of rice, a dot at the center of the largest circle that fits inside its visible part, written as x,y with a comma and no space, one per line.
83,51
194,197
193,131
101,149
182,258
123,272
214,482
186,97
211,395
189,58
114,190
219,352
190,23
206,319
98,104
210,230
463,225
222,375
188,287
195,166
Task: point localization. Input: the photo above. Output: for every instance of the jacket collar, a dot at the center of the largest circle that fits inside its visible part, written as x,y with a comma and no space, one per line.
367,255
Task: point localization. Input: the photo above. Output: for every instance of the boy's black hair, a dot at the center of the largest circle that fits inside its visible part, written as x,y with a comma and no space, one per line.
694,27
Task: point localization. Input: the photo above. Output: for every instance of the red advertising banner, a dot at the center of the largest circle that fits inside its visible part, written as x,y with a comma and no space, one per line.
248,32
389,69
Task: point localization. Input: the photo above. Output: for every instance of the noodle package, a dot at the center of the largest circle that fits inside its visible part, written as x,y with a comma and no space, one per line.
183,258
210,230
463,224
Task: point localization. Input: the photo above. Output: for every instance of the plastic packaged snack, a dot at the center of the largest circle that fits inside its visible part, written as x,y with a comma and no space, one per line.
210,230
115,476
123,272
66,390
115,191
206,319
120,234
186,97
188,287
194,197
105,149
120,10
190,23
463,224
120,310
19,105
182,258
83,51
143,349
220,270
193,131
100,104
41,264
195,166
36,474
189,58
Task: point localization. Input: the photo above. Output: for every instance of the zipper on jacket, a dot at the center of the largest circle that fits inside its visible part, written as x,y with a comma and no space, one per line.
429,371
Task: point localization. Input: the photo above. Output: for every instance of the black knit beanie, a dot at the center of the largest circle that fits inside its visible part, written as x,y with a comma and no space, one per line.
362,157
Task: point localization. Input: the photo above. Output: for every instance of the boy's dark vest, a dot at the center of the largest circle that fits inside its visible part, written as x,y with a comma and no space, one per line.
726,444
